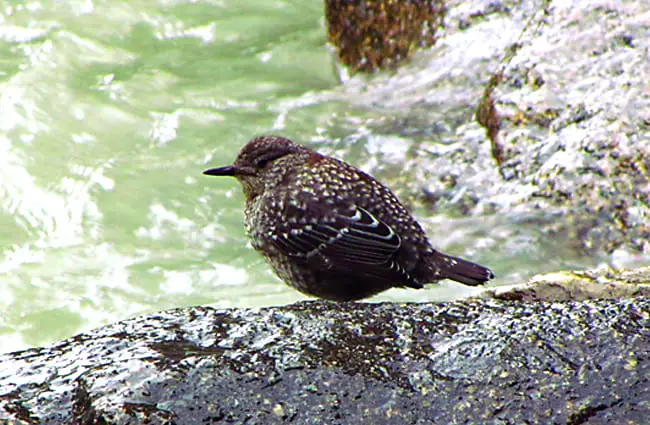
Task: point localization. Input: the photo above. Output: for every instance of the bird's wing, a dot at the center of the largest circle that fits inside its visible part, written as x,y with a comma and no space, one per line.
350,235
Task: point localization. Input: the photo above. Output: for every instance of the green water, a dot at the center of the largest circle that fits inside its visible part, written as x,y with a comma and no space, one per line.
109,111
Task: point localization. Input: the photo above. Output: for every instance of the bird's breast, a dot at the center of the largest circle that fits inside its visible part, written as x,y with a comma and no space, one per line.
262,217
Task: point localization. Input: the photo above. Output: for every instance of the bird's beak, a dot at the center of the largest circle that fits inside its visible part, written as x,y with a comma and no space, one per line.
228,170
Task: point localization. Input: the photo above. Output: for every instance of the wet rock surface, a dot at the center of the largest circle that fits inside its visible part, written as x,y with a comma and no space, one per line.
567,114
480,361
574,113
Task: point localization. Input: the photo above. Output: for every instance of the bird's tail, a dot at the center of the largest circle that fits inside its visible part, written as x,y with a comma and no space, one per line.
462,271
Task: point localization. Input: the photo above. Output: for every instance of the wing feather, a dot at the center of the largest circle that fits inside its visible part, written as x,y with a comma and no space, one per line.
356,237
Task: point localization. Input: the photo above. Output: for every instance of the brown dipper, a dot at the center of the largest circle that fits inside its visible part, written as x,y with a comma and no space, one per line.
331,230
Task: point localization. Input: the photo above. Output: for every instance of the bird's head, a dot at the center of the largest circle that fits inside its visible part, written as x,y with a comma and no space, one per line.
259,164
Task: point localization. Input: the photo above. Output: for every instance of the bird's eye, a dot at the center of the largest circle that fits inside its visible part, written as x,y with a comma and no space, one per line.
262,163
266,159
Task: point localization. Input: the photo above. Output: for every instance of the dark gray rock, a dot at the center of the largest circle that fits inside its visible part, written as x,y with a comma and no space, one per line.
484,361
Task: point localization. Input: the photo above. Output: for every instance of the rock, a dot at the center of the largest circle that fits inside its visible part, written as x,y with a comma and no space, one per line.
578,285
369,36
480,361
568,116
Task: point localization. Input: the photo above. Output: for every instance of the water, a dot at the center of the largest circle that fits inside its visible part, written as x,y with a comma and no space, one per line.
109,111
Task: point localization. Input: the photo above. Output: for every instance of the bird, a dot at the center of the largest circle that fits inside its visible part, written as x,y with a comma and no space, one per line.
332,231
